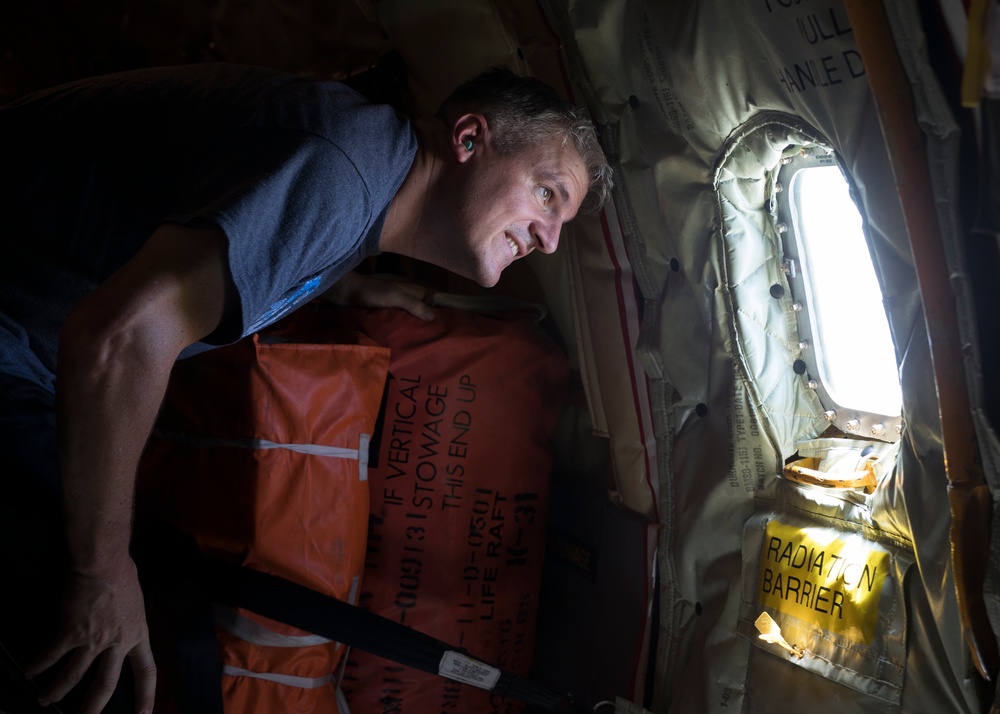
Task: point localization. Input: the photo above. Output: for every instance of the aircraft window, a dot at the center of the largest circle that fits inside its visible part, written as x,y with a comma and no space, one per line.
851,358
810,340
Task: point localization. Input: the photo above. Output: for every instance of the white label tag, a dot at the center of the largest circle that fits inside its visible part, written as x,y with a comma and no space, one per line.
456,666
623,706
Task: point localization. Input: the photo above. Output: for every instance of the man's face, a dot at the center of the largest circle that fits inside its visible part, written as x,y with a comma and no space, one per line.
512,205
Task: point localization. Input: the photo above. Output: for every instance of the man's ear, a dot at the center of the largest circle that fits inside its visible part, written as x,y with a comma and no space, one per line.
468,133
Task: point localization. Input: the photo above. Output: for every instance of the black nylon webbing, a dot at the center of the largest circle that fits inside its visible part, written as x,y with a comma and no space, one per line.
308,610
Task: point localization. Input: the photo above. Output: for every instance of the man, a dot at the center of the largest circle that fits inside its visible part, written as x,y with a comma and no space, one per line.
151,215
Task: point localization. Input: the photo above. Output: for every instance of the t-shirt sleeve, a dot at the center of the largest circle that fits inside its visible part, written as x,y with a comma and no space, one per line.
291,204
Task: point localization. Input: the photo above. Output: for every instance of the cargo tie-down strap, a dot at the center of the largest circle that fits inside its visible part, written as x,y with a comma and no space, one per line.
306,609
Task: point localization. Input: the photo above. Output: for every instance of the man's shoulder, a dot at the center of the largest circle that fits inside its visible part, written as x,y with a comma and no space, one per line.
330,110
377,140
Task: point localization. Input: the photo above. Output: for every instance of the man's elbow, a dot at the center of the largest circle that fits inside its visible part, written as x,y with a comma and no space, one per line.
95,341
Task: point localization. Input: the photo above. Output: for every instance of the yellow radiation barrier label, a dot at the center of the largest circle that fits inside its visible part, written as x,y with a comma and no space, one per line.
824,577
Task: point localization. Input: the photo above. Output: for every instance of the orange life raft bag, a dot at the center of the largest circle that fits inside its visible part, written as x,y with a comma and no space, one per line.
459,476
204,475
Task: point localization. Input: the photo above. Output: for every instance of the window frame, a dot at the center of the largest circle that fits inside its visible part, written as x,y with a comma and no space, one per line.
849,420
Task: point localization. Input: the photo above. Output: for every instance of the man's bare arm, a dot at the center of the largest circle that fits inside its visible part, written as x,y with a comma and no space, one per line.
116,351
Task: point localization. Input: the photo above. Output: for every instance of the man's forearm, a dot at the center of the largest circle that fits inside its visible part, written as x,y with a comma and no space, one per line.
116,350
109,390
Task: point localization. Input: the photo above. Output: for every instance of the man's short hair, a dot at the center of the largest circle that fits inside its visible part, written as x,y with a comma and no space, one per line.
523,113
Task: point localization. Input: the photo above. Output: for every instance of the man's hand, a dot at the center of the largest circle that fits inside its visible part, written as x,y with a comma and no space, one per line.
358,290
103,621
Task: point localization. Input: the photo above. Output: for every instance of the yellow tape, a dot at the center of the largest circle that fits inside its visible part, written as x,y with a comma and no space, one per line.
821,576
976,54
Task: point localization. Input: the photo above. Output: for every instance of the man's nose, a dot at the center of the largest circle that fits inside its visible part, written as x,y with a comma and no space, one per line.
546,235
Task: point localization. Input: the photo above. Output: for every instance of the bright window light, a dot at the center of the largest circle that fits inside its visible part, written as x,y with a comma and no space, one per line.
855,354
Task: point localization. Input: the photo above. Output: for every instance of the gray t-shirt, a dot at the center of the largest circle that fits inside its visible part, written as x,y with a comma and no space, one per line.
297,173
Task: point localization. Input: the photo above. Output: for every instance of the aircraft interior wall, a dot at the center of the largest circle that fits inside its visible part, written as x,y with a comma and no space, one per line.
690,392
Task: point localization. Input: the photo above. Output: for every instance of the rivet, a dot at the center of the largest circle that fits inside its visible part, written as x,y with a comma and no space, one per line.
830,415
781,228
878,429
778,188
804,345
786,160
812,384
853,425
796,306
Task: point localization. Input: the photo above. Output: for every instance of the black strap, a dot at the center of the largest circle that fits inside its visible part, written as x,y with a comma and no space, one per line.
198,658
170,570
308,610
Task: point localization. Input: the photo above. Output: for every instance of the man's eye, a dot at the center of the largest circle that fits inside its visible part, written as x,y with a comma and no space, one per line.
545,192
